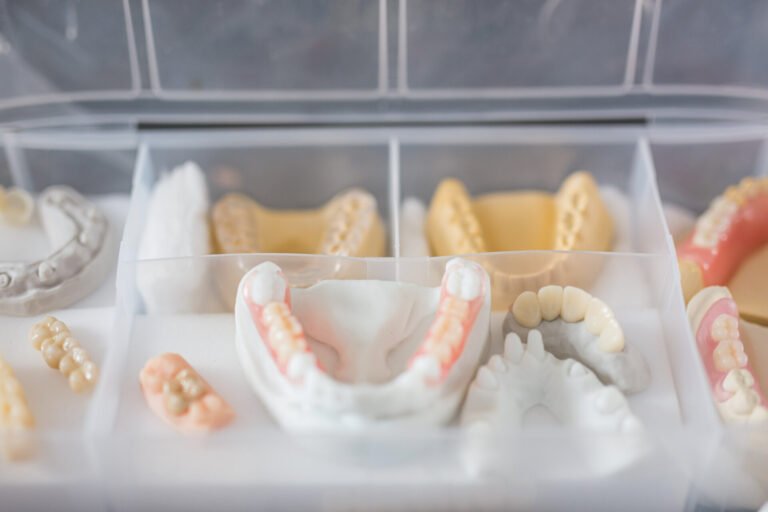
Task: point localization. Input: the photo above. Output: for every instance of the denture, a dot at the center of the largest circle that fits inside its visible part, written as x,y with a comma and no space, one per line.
78,232
728,248
61,351
16,420
574,219
714,319
177,227
577,325
178,394
350,354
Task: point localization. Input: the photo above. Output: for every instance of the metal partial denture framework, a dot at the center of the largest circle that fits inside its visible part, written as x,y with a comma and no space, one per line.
78,231
61,351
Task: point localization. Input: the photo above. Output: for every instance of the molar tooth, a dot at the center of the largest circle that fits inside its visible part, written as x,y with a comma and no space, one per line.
526,310
725,327
575,302
428,365
609,400
535,345
598,314
267,285
729,355
550,301
299,364
486,379
612,337
737,379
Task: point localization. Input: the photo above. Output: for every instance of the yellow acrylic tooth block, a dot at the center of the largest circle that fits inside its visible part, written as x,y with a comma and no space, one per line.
63,352
574,219
16,420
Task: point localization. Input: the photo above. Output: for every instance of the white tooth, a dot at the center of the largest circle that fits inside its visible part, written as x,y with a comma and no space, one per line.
453,283
598,314
427,365
535,345
299,364
496,363
486,379
576,369
575,302
550,301
630,425
743,401
725,327
266,286
526,310
612,337
513,348
737,379
470,285
609,399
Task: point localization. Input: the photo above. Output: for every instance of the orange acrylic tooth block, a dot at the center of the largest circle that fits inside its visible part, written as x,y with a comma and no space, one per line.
181,397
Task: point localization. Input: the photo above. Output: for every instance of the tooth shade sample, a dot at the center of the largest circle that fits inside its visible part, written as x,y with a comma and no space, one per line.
16,420
176,227
527,375
351,354
586,330
78,232
181,397
16,205
62,352
734,228
713,316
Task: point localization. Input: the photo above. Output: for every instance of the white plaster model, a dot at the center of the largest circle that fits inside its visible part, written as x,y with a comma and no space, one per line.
176,227
347,354
576,325
78,233
413,239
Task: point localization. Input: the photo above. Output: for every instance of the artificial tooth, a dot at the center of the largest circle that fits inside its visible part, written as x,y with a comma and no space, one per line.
550,301
526,310
454,307
729,355
267,286
612,337
427,365
725,327
609,400
575,302
513,348
299,364
737,379
743,401
535,345
497,364
61,351
486,379
598,315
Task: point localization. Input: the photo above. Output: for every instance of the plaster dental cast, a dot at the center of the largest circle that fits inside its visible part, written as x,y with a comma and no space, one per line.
352,354
78,233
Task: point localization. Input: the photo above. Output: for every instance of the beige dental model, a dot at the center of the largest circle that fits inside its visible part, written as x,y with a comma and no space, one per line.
577,325
574,219
16,420
63,352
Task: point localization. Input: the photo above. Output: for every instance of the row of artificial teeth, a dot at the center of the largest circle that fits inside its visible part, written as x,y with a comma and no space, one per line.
572,305
746,189
63,352
285,335
571,221
183,389
350,221
729,353
467,233
15,414
235,227
714,222
744,402
447,330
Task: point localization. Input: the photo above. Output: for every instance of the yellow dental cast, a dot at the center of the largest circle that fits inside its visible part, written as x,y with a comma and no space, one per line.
16,420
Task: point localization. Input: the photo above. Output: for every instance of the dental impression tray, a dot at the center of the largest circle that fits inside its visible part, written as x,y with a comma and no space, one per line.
78,232
729,246
350,354
576,325
575,219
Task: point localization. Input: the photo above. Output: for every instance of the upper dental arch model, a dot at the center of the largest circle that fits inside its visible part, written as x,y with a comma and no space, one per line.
405,353
78,232
577,325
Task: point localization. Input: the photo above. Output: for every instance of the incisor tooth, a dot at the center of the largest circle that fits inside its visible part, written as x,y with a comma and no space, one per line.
550,301
526,310
598,314
612,337
535,345
513,348
575,302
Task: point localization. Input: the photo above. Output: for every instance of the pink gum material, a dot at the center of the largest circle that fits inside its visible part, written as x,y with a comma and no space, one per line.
209,412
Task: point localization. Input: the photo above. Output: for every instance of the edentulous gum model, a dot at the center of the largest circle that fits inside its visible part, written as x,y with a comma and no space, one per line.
346,354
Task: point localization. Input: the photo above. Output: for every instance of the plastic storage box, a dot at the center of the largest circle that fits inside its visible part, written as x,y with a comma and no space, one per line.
76,78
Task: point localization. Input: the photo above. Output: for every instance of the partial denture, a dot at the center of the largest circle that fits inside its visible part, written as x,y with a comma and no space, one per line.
78,232
52,338
714,319
302,394
733,228
16,420
181,397
16,205
577,325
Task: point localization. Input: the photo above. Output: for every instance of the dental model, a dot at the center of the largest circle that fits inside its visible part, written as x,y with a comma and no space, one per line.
180,396
176,227
575,219
714,319
577,325
346,354
16,420
16,205
78,232
728,247
62,352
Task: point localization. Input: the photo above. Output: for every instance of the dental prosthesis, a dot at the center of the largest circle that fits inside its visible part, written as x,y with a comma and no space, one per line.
714,319
413,242
16,206
177,227
78,232
177,394
62,352
353,354
16,420
728,247
575,219
577,325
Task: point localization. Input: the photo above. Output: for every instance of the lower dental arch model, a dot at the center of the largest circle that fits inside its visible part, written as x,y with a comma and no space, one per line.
347,354
575,219
78,232
724,241
576,325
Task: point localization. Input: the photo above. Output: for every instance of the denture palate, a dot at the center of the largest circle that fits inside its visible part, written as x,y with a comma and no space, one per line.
728,246
576,324
61,351
16,418
177,394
